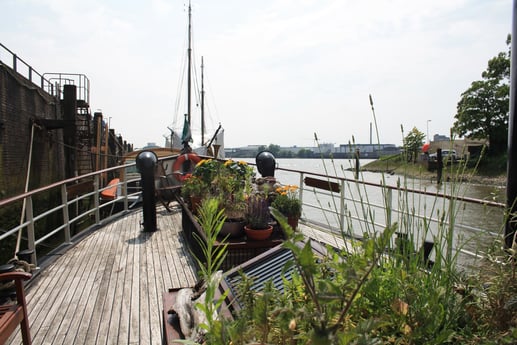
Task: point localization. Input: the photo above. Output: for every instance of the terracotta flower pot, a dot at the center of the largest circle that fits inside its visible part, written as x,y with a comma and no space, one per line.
258,235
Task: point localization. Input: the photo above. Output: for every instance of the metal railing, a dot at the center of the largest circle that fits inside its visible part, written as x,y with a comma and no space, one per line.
85,206
358,208
26,70
79,80
338,205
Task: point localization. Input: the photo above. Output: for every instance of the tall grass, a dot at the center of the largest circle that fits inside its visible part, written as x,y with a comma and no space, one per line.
383,289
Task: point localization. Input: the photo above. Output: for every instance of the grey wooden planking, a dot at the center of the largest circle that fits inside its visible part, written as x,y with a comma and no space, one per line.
108,288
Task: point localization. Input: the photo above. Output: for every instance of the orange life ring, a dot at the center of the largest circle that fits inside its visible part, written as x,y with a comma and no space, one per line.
176,168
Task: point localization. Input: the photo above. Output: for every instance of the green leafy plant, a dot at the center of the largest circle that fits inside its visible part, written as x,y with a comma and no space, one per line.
287,202
194,186
211,218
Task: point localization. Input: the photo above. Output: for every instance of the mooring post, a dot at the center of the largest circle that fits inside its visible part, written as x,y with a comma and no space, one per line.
511,181
439,166
146,163
357,164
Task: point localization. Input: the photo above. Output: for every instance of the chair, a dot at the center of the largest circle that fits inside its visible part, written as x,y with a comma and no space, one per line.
12,315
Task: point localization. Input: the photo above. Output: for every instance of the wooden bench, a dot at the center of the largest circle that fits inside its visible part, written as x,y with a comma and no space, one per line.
12,315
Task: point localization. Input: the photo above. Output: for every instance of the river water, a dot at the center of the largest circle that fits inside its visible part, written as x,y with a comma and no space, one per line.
475,221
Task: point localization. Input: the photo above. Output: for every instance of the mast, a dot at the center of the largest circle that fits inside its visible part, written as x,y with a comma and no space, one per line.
202,105
189,51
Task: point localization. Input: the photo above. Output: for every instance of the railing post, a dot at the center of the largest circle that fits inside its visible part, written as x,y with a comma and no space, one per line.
30,73
124,194
300,195
96,199
389,204
66,216
15,59
342,206
31,238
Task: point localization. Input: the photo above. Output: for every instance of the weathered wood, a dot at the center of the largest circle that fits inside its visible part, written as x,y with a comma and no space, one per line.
15,315
322,184
73,190
108,288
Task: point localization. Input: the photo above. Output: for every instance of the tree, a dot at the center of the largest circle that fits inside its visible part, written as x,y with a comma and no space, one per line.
413,144
274,149
483,110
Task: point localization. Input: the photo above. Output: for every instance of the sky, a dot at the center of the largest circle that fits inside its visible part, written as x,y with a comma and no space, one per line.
275,71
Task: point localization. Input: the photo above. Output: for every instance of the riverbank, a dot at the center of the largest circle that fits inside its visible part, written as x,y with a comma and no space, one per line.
455,172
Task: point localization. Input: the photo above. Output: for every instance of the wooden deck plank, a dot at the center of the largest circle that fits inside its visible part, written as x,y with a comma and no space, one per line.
155,286
95,288
76,312
108,288
73,273
134,310
106,295
117,313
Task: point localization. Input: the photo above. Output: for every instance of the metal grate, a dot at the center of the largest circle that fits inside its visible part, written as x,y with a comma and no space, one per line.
269,267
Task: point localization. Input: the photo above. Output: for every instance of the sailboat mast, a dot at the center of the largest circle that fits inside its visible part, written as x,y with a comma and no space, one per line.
189,52
202,104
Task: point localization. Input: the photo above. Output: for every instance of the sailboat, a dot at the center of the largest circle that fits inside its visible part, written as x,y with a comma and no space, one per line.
180,148
212,146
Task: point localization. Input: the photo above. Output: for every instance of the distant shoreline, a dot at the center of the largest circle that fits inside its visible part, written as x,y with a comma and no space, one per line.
419,171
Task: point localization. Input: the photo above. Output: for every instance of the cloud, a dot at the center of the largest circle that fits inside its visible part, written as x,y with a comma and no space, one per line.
283,69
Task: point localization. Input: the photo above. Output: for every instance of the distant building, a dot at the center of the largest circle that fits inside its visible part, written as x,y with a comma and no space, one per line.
439,137
463,147
366,150
326,149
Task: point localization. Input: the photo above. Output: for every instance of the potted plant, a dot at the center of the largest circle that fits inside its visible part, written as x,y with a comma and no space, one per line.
193,190
231,186
288,203
257,218
197,185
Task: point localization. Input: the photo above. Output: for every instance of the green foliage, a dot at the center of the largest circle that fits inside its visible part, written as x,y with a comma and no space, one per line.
493,298
482,112
211,219
379,290
193,187
287,201
413,142
230,182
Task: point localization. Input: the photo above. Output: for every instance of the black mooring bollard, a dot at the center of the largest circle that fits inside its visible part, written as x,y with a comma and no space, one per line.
146,164
439,168
266,164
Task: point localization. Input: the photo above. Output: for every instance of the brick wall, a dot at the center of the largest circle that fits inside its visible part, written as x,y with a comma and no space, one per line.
20,103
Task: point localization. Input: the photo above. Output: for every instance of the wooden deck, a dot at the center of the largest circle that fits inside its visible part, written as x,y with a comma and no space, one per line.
108,288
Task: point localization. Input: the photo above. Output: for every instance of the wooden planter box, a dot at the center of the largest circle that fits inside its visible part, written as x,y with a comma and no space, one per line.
239,250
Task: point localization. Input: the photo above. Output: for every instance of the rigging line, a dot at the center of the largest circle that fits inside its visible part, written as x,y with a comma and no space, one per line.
212,102
181,81
194,63
22,215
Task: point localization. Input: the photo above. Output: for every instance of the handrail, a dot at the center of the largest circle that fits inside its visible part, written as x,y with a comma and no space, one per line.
81,81
355,205
43,82
93,208
404,189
